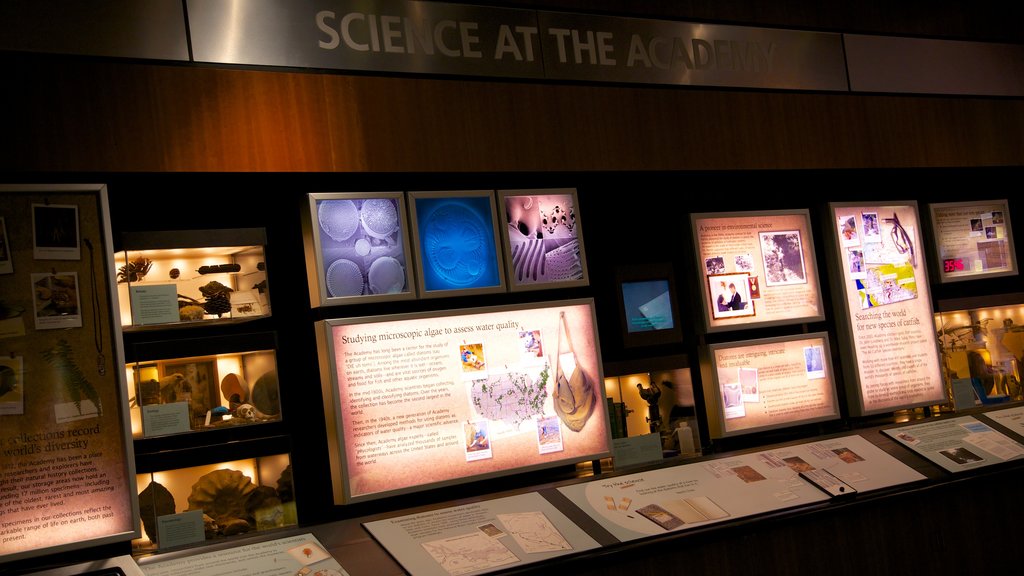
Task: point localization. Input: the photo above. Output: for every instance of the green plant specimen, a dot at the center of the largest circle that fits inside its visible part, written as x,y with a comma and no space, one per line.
76,385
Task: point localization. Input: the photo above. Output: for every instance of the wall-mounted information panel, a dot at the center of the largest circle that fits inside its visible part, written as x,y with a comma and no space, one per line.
67,477
419,400
886,324
973,240
756,269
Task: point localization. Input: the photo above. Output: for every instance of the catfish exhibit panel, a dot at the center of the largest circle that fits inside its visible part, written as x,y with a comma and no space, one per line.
420,400
66,472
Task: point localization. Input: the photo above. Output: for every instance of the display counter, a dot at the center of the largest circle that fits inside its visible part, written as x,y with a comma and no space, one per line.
931,519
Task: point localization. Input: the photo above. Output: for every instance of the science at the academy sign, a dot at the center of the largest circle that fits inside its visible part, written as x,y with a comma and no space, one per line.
440,38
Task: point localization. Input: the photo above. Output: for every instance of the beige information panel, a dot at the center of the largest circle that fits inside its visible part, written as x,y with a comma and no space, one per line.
973,240
887,324
67,476
770,383
756,269
418,400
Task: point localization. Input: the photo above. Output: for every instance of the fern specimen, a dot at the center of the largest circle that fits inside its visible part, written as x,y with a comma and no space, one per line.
76,385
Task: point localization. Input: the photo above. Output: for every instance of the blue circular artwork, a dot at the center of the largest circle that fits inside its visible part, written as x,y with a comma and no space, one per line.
457,244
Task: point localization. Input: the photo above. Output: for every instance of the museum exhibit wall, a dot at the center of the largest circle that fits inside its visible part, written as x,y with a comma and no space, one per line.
193,147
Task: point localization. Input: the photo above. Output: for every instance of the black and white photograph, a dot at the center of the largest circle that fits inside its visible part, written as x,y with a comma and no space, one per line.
6,259
783,256
714,265
869,224
814,362
730,295
961,456
55,232
56,300
744,263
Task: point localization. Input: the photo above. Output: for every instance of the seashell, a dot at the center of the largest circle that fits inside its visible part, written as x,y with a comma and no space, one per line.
231,386
285,490
221,494
210,527
266,396
232,526
261,497
154,501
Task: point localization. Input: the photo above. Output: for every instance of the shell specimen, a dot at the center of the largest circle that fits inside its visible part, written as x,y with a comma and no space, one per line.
221,494
134,271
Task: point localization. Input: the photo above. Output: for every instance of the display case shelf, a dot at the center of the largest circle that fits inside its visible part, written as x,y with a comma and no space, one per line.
190,278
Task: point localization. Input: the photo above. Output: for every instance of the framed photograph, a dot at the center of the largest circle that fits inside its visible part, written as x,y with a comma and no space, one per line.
55,234
769,383
456,243
768,256
648,307
884,317
973,240
56,300
198,379
542,233
782,254
357,248
6,258
730,295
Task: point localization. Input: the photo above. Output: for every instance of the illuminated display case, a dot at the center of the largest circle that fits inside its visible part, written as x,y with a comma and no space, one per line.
186,277
221,383
982,349
654,396
215,501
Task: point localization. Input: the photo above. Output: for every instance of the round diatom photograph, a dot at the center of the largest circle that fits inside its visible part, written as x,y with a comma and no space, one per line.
456,237
362,247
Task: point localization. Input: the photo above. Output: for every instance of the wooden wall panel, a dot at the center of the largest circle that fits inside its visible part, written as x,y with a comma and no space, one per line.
95,116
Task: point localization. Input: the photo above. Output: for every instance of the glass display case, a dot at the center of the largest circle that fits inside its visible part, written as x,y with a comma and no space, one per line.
982,347
182,277
657,400
215,501
235,386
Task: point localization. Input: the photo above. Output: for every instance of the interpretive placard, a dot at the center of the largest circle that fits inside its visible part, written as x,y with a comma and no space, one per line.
636,450
682,497
770,383
852,459
958,444
417,400
67,477
154,304
973,240
1012,418
480,538
886,325
302,554
756,268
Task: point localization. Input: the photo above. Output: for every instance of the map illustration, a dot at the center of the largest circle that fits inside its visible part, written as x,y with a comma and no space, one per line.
469,553
511,397
534,532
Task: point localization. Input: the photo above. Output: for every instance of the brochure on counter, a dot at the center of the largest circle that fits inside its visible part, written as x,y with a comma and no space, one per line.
693,495
301,555
481,537
958,444
1012,418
